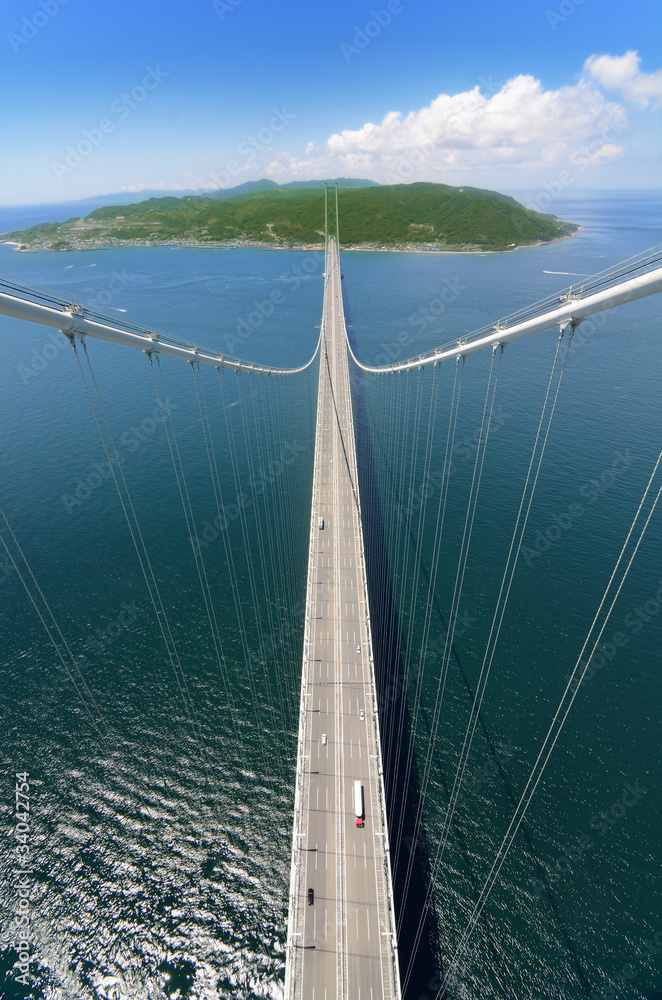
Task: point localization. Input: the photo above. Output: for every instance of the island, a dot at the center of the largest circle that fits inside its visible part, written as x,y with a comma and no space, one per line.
420,216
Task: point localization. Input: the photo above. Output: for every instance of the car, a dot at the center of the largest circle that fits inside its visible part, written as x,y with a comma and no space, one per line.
311,897
323,739
358,649
362,715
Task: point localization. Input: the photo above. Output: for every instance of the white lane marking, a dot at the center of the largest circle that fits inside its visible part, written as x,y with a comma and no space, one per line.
317,855
357,921
367,917
315,925
365,858
317,804
351,750
326,798
325,916
326,856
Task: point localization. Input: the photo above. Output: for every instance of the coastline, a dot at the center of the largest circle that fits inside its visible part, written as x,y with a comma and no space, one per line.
258,245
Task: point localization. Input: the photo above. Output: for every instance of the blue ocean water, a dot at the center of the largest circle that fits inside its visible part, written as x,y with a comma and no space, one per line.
23,216
161,830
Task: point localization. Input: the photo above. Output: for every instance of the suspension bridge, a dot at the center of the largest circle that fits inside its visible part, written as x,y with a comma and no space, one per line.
343,927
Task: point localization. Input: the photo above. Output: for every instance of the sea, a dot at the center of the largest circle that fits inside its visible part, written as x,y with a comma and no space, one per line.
152,592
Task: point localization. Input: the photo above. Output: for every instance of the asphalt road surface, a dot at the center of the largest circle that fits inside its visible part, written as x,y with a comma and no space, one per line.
344,939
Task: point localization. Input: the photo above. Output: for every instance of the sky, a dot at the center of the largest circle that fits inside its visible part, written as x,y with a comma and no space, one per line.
544,96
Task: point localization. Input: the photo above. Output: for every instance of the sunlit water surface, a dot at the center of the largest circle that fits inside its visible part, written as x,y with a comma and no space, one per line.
161,819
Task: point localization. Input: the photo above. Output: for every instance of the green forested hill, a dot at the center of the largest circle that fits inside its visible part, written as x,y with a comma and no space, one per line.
391,216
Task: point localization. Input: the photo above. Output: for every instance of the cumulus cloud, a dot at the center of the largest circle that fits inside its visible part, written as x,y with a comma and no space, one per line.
520,125
622,74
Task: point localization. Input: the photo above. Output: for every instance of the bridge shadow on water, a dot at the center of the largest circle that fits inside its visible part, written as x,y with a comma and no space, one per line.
403,789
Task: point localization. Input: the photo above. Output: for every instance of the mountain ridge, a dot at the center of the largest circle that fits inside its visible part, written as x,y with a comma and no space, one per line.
422,215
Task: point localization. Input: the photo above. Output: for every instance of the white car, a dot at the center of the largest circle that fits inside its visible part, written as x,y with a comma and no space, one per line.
323,739
358,649
362,715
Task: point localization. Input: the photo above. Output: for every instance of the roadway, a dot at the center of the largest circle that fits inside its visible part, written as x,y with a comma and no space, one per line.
343,945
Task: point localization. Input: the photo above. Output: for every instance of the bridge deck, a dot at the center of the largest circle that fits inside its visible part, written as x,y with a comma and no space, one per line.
343,945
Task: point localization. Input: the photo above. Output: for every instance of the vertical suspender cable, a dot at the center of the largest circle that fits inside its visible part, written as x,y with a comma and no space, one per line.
139,543
180,478
554,731
434,566
488,407
69,661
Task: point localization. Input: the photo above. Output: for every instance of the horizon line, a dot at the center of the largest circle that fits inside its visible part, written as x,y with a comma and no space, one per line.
200,192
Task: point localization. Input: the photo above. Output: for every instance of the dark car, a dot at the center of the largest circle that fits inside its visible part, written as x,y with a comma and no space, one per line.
311,897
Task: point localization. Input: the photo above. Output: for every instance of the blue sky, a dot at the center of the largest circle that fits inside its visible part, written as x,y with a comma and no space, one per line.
103,97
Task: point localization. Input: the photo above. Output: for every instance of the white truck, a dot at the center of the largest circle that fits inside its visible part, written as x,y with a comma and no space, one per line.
359,809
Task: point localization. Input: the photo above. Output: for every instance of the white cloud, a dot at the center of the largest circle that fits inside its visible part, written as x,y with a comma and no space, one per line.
622,74
601,154
521,126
